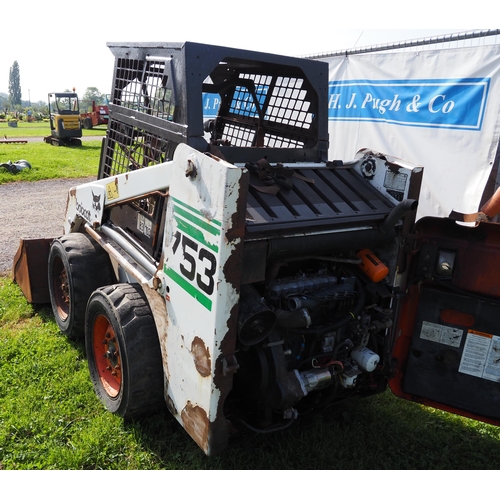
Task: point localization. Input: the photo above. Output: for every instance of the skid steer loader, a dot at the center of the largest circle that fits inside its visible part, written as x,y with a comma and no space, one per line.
222,266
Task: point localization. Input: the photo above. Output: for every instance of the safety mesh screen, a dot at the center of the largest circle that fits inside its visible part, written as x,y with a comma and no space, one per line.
130,148
266,111
142,85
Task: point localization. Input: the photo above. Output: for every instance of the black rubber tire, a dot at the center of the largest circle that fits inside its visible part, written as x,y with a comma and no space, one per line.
77,266
123,351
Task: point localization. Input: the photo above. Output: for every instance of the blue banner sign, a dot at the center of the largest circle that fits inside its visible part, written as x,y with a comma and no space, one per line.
211,104
449,103
243,102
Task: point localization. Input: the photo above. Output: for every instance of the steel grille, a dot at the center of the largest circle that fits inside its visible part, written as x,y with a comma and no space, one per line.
130,148
317,197
288,104
279,141
238,136
143,86
247,104
269,111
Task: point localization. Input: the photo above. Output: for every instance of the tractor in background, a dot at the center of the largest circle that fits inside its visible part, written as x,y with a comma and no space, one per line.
99,115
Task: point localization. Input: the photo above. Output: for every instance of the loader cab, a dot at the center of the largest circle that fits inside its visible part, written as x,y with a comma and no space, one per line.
239,105
65,122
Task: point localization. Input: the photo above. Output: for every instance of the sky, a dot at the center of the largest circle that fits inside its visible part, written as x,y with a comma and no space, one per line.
62,45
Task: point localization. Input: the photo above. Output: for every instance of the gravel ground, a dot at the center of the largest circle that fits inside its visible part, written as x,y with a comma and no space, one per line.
31,210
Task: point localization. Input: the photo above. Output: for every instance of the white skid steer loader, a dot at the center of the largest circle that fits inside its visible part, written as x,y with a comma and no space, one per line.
226,269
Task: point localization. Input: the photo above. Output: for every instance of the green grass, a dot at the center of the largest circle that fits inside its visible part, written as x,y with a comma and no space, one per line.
50,162
51,419
47,161
39,129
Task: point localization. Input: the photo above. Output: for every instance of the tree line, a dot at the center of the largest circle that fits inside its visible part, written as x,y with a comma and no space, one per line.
13,102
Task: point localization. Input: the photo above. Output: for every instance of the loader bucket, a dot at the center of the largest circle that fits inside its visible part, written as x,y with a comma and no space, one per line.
30,269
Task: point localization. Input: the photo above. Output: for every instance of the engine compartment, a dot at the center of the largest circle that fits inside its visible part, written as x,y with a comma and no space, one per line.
311,335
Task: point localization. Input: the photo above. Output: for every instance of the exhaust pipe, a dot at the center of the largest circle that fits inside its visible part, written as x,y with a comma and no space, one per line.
399,211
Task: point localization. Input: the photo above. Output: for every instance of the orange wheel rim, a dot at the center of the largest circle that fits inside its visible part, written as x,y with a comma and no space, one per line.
107,355
61,289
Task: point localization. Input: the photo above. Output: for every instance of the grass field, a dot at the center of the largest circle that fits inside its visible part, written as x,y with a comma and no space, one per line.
50,417
50,162
39,129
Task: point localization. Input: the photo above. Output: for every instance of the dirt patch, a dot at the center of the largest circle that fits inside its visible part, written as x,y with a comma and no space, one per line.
31,210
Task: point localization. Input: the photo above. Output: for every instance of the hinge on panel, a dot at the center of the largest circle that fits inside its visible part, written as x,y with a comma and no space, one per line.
411,243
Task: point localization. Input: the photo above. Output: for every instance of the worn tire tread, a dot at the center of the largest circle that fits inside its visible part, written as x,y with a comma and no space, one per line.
142,370
89,269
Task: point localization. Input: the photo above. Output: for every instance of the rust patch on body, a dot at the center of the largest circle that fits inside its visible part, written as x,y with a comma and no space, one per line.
392,166
159,310
457,318
201,356
171,406
195,422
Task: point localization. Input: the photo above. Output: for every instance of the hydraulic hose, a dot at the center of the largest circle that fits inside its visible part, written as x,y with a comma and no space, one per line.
397,212
293,319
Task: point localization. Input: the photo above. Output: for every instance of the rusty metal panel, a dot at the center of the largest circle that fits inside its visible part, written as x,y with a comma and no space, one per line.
446,350
317,197
287,198
475,252
202,270
30,269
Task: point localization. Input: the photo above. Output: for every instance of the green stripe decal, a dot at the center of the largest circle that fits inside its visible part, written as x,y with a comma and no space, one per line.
197,212
213,226
186,286
204,225
195,233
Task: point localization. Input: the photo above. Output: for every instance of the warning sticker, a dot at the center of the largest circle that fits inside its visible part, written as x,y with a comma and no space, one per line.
395,181
112,191
144,225
481,356
441,333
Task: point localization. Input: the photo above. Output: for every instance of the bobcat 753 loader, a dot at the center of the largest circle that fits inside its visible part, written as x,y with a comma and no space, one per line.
226,269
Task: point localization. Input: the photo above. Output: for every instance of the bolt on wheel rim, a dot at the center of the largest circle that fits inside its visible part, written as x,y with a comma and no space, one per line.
107,355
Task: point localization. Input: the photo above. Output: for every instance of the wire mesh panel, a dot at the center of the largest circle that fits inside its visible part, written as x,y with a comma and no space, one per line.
130,148
267,111
142,86
267,105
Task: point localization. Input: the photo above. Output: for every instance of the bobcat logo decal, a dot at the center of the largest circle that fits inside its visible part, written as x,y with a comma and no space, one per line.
96,202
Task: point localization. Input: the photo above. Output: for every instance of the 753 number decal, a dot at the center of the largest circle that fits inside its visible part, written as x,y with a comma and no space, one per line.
199,264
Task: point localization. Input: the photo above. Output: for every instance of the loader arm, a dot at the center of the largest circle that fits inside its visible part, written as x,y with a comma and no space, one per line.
87,202
193,290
